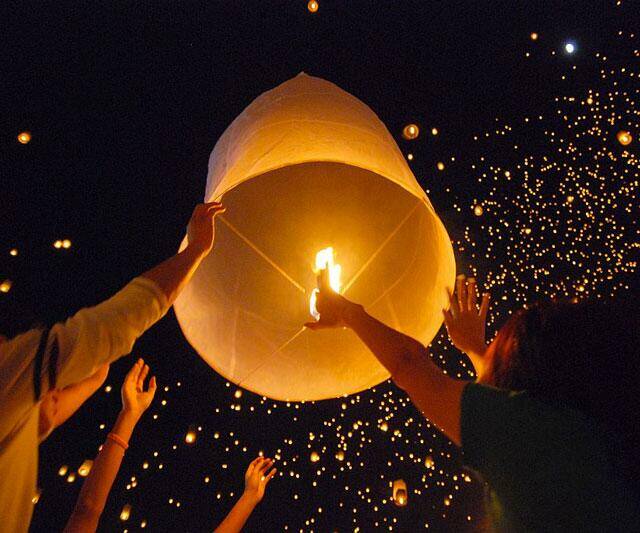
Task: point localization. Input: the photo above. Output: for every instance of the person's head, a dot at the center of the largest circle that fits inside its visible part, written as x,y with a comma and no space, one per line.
584,355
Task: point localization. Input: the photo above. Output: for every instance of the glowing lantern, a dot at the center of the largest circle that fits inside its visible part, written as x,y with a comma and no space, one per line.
57,244
237,393
312,6
340,455
36,497
125,513
305,167
13,252
429,462
440,165
534,36
434,131
24,137
624,138
190,437
66,244
410,132
71,477
63,470
5,286
400,494
314,458
85,468
478,210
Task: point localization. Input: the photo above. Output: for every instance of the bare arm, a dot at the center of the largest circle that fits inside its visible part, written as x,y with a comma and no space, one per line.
255,482
434,393
72,397
97,486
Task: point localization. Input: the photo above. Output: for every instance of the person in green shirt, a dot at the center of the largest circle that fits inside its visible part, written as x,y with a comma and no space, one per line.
551,424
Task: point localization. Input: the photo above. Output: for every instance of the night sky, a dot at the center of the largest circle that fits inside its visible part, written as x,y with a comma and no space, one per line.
124,102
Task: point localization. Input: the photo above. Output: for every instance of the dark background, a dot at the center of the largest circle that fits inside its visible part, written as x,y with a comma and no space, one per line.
125,101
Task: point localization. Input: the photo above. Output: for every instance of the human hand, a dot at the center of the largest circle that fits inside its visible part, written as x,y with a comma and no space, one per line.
332,307
257,477
465,322
201,228
135,400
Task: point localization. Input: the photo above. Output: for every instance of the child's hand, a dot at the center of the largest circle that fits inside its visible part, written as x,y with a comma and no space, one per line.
135,399
257,477
465,323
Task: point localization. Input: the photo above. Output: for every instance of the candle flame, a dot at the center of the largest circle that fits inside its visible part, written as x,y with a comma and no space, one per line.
325,260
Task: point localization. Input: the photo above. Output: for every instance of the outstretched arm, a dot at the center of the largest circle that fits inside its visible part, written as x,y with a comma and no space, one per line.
96,488
256,479
434,393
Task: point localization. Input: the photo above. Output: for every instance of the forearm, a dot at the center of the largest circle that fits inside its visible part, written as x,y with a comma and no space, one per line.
72,397
174,273
97,486
411,368
235,520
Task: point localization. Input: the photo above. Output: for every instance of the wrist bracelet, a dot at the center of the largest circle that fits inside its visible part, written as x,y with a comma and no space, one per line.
118,440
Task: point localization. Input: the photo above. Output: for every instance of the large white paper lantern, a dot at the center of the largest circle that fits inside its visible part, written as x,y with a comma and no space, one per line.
304,167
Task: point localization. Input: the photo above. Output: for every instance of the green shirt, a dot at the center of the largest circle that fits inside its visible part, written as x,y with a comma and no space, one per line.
549,468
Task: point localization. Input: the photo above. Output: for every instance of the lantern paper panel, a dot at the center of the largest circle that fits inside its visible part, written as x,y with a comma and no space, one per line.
305,167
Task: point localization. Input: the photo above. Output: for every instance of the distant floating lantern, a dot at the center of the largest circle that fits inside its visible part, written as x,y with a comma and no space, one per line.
314,458
66,244
410,132
312,6
400,494
410,157
624,138
13,252
85,468
312,149
190,437
384,426
478,210
5,286
63,470
429,462
24,137
237,393
125,513
36,497
57,244
340,455
534,36
440,165
569,48
71,477
434,131
589,100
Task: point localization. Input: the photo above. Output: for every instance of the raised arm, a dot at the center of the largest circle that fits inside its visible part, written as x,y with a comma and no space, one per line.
96,488
434,393
256,479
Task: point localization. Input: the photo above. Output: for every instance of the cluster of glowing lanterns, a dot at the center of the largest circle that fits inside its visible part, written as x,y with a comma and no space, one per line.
62,243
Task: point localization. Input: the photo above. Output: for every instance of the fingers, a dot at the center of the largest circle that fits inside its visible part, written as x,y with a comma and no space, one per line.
448,318
484,306
153,386
133,374
323,279
141,377
453,303
471,294
461,290
270,475
265,465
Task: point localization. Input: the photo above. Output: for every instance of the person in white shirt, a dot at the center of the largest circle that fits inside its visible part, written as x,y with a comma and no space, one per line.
74,350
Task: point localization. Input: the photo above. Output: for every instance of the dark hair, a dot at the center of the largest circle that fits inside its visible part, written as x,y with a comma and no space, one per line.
584,356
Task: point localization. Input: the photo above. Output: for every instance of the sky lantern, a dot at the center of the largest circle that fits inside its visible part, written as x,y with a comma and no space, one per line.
85,468
24,137
624,138
5,286
411,131
313,6
400,495
308,168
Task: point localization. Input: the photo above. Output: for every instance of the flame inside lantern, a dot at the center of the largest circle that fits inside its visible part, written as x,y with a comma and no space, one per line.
325,260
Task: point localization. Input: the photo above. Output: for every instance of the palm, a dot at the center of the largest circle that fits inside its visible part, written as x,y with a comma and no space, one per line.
257,477
465,322
134,397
